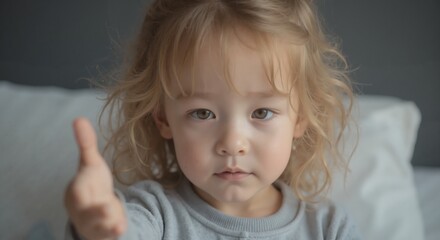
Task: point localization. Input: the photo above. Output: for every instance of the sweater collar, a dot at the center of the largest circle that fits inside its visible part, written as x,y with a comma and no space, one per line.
209,215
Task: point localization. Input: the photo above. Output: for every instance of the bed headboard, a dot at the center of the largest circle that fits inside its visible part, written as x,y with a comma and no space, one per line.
393,47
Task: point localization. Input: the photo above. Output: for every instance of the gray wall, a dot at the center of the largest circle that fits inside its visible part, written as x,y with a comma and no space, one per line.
49,42
394,45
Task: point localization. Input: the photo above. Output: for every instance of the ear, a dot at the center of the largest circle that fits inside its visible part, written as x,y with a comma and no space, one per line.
300,127
162,124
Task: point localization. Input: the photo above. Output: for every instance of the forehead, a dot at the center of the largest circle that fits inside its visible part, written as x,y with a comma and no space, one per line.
241,60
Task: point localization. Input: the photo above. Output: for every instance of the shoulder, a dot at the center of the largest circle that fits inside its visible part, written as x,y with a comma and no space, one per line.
148,205
322,220
149,191
148,186
330,219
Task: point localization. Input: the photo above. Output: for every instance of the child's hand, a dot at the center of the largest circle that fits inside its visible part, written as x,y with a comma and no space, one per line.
94,209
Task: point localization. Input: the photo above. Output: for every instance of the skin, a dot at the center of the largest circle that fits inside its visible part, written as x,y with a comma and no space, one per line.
90,201
231,145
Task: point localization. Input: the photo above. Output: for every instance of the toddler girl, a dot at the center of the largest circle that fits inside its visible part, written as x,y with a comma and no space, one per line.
225,123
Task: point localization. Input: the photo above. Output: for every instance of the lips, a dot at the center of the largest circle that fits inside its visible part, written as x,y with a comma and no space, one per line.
232,174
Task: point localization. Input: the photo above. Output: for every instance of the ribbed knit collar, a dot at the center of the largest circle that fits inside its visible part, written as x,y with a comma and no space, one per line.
282,220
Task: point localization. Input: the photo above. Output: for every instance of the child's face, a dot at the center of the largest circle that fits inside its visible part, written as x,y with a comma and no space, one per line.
231,145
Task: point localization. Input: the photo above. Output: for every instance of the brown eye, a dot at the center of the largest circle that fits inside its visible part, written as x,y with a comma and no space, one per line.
262,113
202,114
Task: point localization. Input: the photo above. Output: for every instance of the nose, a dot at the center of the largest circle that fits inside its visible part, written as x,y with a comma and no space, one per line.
233,142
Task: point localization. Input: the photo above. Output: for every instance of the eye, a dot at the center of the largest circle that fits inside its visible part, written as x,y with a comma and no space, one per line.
202,114
262,113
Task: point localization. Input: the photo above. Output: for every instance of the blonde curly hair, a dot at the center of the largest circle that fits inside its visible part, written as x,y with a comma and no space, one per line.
172,33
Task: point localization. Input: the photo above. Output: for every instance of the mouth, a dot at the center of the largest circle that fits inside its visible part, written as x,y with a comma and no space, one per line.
233,174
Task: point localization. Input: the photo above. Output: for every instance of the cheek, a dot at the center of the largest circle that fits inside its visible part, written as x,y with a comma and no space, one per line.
280,150
186,148
187,138
277,149
191,151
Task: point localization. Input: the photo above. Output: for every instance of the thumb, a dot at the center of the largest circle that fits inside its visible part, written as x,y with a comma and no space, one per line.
87,142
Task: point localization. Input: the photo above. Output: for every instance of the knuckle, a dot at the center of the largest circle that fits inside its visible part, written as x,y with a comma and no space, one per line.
103,230
76,194
103,210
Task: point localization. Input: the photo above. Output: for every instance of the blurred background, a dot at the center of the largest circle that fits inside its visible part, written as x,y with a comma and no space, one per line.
393,46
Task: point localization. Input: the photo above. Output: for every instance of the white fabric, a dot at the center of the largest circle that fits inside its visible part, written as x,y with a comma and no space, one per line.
428,188
39,156
379,191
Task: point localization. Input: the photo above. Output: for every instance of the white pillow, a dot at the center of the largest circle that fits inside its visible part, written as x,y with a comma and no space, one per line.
379,191
39,157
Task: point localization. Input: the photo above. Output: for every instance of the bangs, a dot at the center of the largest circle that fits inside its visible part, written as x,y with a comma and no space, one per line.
214,30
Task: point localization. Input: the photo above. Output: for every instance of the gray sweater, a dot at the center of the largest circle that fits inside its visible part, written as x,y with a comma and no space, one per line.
155,213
